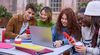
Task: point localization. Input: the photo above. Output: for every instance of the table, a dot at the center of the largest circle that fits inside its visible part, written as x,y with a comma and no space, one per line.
57,51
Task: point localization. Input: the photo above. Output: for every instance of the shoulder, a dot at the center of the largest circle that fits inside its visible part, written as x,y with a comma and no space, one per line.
53,28
17,17
52,24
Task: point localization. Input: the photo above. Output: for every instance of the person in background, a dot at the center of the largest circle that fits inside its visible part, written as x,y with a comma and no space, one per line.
92,32
45,17
66,22
80,16
18,24
87,33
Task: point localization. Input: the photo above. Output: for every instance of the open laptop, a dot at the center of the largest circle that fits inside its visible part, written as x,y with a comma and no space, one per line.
41,36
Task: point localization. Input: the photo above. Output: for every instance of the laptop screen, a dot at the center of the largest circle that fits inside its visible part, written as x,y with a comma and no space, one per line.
41,36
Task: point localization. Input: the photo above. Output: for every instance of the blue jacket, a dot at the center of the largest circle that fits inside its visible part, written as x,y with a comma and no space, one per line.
57,36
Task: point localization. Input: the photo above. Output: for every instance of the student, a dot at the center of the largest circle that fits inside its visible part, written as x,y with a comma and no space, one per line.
19,23
87,33
45,17
80,16
93,44
66,22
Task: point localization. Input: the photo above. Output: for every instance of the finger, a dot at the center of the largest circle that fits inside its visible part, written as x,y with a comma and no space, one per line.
58,45
78,50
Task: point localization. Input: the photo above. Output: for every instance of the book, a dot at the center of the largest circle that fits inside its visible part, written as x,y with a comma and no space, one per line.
32,49
6,46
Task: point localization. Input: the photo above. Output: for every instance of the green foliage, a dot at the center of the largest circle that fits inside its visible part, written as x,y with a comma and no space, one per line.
83,4
4,13
38,8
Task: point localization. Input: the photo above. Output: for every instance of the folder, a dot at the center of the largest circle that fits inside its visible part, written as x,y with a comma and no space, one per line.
32,49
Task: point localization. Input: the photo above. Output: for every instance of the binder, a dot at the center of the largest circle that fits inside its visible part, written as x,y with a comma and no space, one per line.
32,49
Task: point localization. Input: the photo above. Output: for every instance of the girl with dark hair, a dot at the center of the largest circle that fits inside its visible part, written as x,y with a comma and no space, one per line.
91,39
45,17
66,23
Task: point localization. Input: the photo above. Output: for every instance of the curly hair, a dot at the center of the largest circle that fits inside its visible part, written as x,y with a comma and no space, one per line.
72,25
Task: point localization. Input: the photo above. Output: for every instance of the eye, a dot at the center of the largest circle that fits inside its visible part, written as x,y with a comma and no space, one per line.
29,12
62,18
33,14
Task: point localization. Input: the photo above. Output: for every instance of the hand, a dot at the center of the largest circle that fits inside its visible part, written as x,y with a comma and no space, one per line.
72,41
24,36
81,49
58,43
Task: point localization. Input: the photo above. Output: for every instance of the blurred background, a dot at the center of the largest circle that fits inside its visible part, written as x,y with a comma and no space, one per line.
10,7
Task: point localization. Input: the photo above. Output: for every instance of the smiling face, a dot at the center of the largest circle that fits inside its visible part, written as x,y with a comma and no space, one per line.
29,13
43,15
64,20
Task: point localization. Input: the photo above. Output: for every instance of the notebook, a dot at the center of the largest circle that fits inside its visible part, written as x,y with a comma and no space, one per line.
41,36
5,46
33,49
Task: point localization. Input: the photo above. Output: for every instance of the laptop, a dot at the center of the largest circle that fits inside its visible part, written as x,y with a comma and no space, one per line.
41,36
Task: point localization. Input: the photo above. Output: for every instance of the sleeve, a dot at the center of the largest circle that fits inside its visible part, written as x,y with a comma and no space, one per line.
53,33
65,41
9,29
94,51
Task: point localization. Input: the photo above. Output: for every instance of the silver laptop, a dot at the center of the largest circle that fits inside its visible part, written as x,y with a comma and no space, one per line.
41,36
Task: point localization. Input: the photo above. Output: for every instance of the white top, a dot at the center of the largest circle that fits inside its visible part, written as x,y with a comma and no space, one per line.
87,36
86,33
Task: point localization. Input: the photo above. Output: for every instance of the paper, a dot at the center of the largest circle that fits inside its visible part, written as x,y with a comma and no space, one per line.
33,47
6,45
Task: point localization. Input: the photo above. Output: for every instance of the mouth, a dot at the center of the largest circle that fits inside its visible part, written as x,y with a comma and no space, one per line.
43,19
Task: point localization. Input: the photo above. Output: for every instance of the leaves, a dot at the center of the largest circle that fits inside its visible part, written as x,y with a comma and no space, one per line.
38,8
4,13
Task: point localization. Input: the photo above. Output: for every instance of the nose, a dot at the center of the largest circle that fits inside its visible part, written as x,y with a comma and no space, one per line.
64,20
30,15
42,16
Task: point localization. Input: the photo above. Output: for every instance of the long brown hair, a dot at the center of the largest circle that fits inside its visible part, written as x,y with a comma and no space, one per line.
87,21
95,20
72,26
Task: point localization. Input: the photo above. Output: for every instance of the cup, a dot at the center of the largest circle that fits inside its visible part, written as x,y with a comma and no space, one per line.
18,41
27,31
7,41
78,44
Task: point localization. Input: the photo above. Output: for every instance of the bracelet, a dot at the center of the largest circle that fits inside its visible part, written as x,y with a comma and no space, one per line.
62,42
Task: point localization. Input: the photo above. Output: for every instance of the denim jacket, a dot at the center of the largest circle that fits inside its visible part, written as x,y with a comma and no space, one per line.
57,36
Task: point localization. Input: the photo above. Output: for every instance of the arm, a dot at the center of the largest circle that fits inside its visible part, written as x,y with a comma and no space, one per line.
53,34
94,51
9,29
